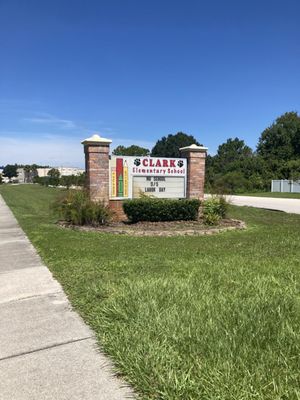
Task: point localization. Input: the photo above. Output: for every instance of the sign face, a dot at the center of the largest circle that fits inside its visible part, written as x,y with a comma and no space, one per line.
131,177
171,187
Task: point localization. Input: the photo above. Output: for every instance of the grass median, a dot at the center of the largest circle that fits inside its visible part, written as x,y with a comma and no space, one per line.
214,317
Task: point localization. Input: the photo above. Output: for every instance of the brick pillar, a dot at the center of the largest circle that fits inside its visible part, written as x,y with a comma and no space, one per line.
195,170
96,150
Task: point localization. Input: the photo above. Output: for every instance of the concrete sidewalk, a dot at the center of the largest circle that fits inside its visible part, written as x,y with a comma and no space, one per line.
46,350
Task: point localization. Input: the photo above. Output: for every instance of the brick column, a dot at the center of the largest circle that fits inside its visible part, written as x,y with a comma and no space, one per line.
96,150
195,170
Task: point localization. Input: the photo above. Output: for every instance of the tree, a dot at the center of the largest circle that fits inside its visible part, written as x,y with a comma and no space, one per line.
233,150
235,168
54,175
169,146
1,179
230,155
286,169
281,140
10,171
231,182
30,172
132,150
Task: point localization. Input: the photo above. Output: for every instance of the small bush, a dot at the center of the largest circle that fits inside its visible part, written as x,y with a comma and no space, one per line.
211,218
155,210
67,181
76,208
42,180
214,209
223,206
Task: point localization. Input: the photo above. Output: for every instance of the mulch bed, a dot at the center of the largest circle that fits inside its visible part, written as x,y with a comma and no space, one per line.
172,228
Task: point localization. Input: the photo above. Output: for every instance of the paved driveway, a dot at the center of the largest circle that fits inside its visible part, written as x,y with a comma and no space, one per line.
287,205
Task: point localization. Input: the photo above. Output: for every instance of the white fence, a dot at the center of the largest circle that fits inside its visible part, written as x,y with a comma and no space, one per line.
285,185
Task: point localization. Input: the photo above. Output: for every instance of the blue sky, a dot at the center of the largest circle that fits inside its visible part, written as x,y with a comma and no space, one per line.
134,71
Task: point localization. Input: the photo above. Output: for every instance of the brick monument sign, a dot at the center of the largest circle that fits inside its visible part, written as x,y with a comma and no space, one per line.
113,179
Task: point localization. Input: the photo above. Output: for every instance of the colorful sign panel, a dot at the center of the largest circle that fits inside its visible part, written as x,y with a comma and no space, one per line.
131,177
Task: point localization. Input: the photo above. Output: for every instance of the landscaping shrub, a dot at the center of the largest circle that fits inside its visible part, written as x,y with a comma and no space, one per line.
155,210
42,180
76,208
66,181
214,209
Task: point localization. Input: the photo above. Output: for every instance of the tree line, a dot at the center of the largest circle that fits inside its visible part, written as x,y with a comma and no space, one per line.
237,168
10,171
53,177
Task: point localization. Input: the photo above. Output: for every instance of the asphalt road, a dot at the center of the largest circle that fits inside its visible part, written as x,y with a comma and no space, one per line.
286,205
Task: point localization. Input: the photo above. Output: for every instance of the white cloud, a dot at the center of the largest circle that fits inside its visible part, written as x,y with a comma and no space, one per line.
50,120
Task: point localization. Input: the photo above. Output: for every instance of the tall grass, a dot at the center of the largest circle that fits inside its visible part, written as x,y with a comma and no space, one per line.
75,207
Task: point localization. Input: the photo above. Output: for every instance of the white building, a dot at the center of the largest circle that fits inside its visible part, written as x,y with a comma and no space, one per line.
64,171
67,171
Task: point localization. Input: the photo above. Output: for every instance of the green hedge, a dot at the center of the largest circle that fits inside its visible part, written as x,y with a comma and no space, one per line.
154,210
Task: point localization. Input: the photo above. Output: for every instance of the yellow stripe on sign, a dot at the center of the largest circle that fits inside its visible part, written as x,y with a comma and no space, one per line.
113,183
125,176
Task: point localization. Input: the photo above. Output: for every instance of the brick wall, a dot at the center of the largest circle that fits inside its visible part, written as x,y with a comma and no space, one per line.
196,176
195,156
117,208
97,171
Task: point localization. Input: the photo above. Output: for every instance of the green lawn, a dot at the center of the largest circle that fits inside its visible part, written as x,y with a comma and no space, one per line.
204,318
273,194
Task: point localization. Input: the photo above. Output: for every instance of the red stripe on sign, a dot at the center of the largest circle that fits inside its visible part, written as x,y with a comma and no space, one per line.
119,170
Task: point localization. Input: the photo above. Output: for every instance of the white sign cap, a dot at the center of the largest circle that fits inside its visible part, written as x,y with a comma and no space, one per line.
193,147
96,139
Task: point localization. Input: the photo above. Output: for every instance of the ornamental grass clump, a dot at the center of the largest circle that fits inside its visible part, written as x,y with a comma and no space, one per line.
76,208
214,209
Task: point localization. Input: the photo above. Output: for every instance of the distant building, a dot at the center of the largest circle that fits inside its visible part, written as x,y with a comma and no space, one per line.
64,171
27,176
67,171
21,175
